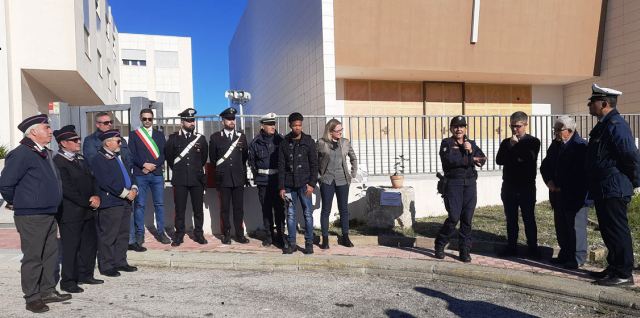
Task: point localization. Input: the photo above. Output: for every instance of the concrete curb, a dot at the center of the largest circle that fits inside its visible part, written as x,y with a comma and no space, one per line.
563,289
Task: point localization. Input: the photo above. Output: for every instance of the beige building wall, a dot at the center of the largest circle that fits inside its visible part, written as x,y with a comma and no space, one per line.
620,62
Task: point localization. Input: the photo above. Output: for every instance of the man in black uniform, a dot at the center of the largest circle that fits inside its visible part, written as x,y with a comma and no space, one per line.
228,150
186,154
459,157
80,198
613,174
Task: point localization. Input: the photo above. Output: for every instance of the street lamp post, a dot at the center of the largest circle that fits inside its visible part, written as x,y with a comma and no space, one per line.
238,97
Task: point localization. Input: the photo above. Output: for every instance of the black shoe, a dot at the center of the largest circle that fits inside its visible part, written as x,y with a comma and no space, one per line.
267,241
226,239
176,243
613,280
290,249
308,248
91,281
439,252
533,253
557,260
72,289
345,241
55,297
200,240
127,268
278,241
137,247
325,242
163,238
600,275
508,252
37,306
242,239
110,273
464,256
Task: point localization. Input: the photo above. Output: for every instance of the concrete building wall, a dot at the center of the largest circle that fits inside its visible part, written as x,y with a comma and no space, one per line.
167,74
277,54
5,97
620,60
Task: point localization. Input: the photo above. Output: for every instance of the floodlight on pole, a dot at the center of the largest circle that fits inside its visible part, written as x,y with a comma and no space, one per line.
238,97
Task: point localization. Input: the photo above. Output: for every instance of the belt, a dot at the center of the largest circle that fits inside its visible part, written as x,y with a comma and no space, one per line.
267,171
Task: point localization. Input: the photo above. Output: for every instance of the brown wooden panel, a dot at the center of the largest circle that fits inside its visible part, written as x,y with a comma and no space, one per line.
474,93
521,94
356,90
498,93
386,91
411,92
453,92
434,92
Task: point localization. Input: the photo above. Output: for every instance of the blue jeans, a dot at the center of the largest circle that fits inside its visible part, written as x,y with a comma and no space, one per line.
156,184
307,207
342,193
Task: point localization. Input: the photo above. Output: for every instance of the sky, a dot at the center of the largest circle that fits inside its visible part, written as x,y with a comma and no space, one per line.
209,23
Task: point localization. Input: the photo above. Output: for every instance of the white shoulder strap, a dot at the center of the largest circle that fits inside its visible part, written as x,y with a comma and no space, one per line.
229,151
186,150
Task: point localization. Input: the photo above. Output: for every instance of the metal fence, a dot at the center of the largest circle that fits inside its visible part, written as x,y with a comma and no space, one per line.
379,140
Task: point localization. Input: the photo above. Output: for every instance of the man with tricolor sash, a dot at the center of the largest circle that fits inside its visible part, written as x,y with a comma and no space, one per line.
147,151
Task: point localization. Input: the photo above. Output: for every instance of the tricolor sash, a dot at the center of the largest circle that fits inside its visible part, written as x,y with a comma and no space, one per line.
148,142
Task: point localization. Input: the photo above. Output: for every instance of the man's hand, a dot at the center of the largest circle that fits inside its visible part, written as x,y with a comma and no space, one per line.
282,193
309,190
514,140
132,194
479,161
636,190
94,202
149,166
9,207
467,147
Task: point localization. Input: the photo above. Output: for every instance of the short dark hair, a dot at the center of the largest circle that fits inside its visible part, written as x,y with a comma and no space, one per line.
520,116
102,114
612,101
295,117
146,111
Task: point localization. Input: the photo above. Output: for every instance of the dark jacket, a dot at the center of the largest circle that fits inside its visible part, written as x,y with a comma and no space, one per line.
111,182
324,154
30,181
78,185
189,171
140,154
613,163
297,162
232,172
519,161
457,163
263,154
564,165
91,144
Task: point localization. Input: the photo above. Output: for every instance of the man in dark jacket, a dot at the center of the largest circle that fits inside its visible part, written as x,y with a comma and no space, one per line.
76,214
147,153
613,168
297,177
519,155
30,183
117,192
186,152
263,161
92,143
564,174
228,151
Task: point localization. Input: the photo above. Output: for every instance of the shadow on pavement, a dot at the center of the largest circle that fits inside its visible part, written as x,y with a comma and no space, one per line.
394,313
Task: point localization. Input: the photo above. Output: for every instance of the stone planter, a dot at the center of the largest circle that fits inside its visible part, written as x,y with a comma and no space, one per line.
385,214
397,181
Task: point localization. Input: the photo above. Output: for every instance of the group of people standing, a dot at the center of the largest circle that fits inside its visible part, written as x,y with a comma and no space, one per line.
603,172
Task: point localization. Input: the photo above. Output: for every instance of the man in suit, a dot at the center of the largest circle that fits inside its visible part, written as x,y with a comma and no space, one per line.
186,153
147,153
117,192
30,183
228,150
76,214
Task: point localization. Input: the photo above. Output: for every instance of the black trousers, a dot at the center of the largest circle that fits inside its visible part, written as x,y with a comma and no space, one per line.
614,227
525,199
112,226
232,195
180,194
460,202
79,249
272,206
39,247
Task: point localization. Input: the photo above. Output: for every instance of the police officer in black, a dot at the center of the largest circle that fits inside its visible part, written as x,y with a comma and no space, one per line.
229,152
186,154
613,169
459,157
263,161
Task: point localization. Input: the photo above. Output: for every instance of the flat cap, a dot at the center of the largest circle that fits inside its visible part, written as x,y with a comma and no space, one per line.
229,113
33,120
600,92
269,118
66,133
111,133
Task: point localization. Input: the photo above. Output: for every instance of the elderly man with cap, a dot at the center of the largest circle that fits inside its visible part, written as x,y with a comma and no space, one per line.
117,192
228,150
186,152
263,161
30,183
92,143
613,175
459,156
80,198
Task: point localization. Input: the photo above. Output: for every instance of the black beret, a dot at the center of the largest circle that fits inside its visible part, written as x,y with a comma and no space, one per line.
458,121
33,120
188,113
111,133
295,117
65,133
229,113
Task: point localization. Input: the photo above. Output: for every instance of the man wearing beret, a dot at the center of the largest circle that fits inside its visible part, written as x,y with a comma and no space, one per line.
92,143
613,176
117,191
30,183
263,161
186,152
228,151
76,215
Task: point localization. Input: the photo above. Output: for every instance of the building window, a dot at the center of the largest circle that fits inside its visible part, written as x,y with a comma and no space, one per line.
87,40
109,78
126,95
99,63
170,100
166,59
134,62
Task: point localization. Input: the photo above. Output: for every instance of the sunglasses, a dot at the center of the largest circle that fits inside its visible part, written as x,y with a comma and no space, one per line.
106,122
459,127
189,120
516,126
76,140
146,119
338,131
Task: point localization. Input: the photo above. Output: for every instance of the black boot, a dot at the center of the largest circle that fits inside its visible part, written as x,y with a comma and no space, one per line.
439,252
325,242
226,238
345,241
464,255
308,248
268,240
289,248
